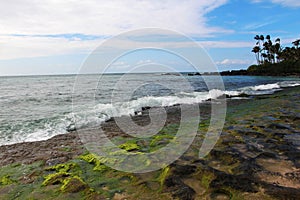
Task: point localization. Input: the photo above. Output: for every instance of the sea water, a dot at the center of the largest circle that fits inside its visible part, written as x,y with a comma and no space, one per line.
34,108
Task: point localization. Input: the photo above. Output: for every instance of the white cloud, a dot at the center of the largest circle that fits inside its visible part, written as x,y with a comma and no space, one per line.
119,65
12,47
254,26
286,3
26,24
234,62
225,44
105,17
141,62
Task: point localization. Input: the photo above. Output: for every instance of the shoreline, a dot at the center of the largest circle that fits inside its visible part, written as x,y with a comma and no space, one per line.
257,156
72,138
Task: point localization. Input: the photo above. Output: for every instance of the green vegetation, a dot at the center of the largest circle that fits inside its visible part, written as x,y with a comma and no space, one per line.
163,175
274,59
96,160
5,180
129,146
73,184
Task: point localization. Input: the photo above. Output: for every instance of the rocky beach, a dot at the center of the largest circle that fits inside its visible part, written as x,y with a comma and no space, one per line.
256,157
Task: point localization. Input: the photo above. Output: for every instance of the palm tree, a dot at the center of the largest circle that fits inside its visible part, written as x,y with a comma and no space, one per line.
256,50
296,43
277,50
262,39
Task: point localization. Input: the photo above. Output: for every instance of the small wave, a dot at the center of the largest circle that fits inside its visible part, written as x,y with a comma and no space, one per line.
36,130
285,84
266,87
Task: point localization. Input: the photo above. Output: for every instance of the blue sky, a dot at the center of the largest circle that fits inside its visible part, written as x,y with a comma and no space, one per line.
49,37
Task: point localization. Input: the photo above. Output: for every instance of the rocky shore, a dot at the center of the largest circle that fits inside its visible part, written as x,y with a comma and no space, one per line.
256,157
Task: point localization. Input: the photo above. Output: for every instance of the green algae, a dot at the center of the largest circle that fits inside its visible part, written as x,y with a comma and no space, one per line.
96,160
63,171
65,167
129,145
73,184
206,179
65,174
6,180
163,175
164,139
56,178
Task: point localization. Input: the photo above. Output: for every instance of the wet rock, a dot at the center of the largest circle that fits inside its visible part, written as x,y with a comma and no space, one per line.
55,161
73,185
293,175
267,155
184,193
220,194
282,193
279,126
242,182
71,128
179,189
184,170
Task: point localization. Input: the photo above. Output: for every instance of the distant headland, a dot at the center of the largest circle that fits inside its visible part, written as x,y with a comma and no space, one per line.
272,59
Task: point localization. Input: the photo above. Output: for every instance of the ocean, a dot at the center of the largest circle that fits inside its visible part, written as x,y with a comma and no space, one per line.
34,108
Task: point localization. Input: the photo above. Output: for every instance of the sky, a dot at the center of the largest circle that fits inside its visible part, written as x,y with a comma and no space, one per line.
56,37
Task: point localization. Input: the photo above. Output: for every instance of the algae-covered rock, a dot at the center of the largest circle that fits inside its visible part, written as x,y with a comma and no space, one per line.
129,146
6,180
65,167
179,189
163,175
73,185
96,160
56,178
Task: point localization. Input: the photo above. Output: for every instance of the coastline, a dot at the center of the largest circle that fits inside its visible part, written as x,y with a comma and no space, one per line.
257,156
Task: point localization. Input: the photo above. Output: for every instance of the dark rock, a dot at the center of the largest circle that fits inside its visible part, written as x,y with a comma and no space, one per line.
242,182
184,193
74,185
267,155
179,189
184,170
146,108
279,126
221,194
71,128
282,193
55,161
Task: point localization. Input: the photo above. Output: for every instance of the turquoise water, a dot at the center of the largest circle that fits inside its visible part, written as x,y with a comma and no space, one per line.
35,108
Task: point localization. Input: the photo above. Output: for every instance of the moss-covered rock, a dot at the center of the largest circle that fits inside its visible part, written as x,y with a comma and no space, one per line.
73,185
96,160
6,180
65,167
130,145
163,175
56,178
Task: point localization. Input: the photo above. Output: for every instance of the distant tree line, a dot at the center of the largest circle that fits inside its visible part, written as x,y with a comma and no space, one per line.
274,59
267,51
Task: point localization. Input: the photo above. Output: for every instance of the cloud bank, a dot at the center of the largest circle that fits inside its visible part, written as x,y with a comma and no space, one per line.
32,28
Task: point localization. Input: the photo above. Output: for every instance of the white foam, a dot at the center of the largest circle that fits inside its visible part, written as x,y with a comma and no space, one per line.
102,112
289,84
266,87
